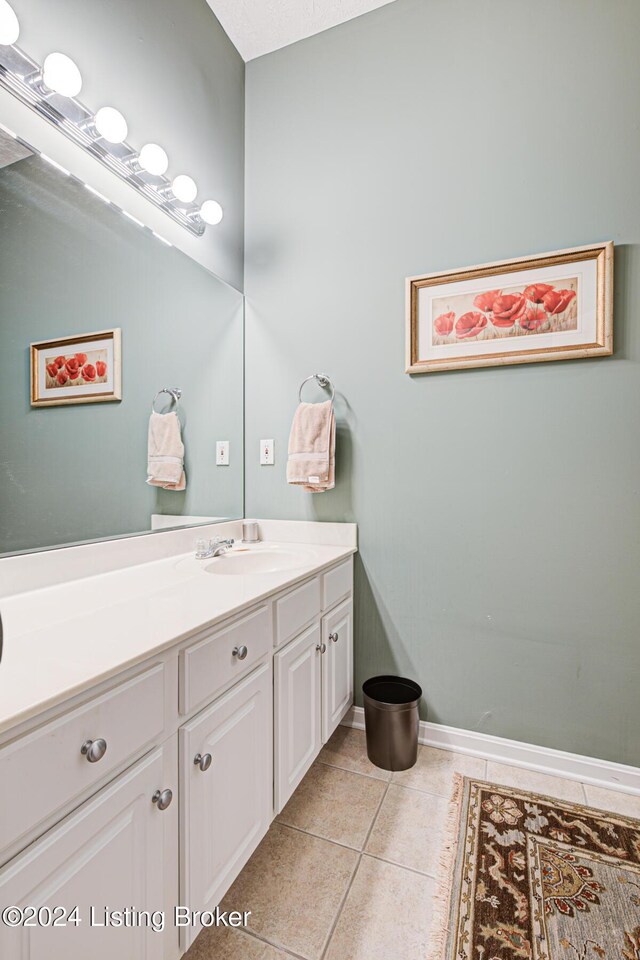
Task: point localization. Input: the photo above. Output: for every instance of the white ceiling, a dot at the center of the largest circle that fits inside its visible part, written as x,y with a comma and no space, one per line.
256,27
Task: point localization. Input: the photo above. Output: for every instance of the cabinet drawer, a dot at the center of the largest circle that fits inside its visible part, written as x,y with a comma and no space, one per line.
297,609
210,665
337,584
42,772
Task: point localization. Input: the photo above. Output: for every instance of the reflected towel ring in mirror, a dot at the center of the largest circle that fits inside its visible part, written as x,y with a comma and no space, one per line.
322,379
174,392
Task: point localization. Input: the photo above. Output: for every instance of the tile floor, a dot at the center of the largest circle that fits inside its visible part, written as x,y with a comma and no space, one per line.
347,871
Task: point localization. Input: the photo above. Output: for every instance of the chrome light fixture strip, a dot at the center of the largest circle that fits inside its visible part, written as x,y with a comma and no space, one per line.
19,74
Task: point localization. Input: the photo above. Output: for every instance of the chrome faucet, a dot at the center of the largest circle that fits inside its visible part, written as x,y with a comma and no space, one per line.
205,549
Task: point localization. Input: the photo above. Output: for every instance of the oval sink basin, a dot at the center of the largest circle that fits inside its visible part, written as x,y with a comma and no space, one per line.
254,562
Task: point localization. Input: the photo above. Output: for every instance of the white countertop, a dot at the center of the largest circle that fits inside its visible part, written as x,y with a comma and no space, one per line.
62,639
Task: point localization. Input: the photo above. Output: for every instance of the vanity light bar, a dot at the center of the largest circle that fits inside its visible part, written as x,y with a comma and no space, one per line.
51,91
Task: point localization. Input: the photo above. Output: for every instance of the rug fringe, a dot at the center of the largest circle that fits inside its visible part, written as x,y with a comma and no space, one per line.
440,924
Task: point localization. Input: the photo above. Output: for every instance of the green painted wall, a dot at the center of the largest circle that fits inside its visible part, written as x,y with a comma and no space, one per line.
69,265
498,508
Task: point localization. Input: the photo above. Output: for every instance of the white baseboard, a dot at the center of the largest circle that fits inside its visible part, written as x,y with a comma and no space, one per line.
600,773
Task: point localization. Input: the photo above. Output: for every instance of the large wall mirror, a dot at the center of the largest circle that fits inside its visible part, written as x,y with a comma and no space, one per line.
72,264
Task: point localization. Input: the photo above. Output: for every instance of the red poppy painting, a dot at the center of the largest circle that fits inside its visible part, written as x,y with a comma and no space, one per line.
83,369
507,312
550,307
77,369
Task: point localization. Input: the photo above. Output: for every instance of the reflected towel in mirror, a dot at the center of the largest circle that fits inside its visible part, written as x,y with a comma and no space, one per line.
165,464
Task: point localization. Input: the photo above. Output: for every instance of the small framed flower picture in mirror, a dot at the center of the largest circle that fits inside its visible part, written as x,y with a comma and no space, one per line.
553,306
81,369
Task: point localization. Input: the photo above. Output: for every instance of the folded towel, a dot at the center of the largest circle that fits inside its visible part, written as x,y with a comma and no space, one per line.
165,466
312,447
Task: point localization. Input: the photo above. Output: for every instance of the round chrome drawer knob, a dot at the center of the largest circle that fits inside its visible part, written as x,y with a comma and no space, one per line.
202,760
321,647
94,750
240,652
334,636
162,798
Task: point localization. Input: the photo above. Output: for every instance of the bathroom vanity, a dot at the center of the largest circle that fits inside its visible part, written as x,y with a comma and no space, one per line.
153,721
156,710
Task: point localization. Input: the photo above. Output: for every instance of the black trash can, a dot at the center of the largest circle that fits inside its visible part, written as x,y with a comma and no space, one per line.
391,721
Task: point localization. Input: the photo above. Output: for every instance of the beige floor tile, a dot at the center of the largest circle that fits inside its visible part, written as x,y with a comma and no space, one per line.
347,748
409,829
434,770
550,786
386,915
223,943
603,799
335,804
293,885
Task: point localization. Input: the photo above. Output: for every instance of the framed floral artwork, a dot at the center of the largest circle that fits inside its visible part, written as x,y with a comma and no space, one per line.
82,369
553,306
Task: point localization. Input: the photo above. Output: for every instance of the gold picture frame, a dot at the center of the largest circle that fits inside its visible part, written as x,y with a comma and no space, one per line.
86,368
552,306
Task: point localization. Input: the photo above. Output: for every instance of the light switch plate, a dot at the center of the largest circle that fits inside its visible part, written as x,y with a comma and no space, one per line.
267,453
222,453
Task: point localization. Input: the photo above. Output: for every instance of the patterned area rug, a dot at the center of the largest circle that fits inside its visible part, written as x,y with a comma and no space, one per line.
528,876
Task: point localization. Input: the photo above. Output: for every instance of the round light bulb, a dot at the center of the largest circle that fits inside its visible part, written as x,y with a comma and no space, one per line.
211,212
184,188
61,75
9,26
111,125
153,159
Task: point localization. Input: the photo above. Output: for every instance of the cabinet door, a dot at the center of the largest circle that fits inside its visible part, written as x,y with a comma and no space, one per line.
226,802
337,667
109,853
297,716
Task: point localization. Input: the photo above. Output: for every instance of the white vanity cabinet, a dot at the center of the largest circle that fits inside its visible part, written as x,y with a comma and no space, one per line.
313,681
226,796
152,788
109,853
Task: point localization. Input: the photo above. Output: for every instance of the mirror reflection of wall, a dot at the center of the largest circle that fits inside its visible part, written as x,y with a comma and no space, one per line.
71,264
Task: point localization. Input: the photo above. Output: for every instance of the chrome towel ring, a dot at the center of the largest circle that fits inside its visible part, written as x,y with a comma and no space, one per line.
174,392
322,379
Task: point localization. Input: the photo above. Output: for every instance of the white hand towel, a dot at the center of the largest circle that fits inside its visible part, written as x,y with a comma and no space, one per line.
312,445
165,465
